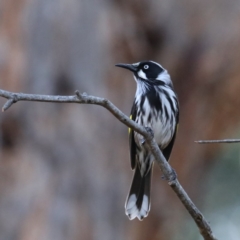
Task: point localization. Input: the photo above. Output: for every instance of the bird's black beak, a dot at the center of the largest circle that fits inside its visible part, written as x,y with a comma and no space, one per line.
127,66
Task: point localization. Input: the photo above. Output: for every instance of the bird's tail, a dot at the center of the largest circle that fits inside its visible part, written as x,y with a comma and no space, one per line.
138,200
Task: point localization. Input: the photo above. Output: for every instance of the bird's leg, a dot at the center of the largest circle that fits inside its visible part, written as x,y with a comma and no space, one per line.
142,141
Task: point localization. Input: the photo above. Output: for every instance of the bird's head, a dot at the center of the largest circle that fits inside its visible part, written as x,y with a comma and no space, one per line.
148,70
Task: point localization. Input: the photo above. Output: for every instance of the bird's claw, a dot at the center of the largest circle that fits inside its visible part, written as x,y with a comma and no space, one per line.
173,176
150,131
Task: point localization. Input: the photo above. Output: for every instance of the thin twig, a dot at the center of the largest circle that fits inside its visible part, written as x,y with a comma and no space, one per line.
167,170
218,141
8,104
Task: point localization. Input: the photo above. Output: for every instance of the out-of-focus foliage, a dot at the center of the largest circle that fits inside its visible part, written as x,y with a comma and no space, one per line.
64,168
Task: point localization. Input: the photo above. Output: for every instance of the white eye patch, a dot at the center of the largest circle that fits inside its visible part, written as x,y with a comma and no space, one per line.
141,74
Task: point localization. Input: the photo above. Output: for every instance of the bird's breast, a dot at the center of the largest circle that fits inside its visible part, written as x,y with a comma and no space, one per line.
158,115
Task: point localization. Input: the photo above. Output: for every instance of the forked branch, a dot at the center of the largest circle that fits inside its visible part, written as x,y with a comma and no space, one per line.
168,172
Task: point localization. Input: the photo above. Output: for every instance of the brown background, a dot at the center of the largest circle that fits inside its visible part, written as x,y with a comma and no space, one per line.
64,168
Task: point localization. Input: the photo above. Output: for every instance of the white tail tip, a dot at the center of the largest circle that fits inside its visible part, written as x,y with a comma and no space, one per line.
132,211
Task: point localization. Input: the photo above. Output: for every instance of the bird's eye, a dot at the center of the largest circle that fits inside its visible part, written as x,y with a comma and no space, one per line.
146,67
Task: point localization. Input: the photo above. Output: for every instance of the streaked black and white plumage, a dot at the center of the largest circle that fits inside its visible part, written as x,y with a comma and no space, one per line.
155,106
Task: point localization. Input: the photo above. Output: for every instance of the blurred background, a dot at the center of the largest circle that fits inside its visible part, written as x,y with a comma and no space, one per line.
64,168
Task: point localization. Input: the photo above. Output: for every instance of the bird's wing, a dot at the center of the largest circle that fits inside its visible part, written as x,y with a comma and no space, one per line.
132,143
167,151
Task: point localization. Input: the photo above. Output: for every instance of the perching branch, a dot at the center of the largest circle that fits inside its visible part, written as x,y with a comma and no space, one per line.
167,170
218,141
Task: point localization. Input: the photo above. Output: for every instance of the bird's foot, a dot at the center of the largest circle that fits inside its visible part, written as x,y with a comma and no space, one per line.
173,176
150,131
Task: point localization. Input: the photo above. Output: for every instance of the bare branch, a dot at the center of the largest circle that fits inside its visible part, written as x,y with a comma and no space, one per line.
8,104
218,141
167,170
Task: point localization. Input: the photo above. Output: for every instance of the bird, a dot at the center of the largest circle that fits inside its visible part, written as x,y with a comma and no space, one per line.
156,107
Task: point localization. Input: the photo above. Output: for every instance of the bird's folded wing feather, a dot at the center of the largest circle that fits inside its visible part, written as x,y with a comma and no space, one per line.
132,144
